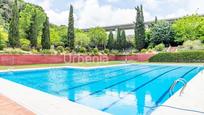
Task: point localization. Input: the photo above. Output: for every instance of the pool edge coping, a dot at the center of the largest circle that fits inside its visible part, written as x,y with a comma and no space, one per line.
96,67
72,67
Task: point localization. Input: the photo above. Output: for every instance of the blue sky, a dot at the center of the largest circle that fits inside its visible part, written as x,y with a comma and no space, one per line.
90,13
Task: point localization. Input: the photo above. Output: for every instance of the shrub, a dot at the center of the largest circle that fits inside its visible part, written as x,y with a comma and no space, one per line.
34,51
67,50
144,50
82,50
192,45
39,47
95,51
106,51
45,51
14,51
159,47
115,52
25,44
2,45
60,49
188,56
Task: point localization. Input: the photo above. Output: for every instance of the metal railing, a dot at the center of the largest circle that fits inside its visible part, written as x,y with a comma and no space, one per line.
181,80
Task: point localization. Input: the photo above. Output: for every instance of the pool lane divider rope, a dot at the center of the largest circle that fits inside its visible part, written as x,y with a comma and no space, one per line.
119,83
92,82
167,91
134,90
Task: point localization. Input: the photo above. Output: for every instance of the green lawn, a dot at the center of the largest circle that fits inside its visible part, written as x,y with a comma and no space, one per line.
87,64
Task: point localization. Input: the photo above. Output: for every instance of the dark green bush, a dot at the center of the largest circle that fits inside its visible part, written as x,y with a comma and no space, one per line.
82,50
2,46
188,56
106,51
95,51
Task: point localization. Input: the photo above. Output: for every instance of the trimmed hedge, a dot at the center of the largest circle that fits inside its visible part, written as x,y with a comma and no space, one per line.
188,56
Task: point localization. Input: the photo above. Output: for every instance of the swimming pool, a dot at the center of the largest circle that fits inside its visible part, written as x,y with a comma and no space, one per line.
132,89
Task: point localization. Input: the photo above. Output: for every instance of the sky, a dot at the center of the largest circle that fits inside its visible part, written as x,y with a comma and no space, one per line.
92,13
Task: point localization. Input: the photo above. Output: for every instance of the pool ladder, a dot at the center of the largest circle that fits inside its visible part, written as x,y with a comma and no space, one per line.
181,80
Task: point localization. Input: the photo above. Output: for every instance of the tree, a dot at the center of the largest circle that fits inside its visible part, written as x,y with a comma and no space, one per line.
123,40
70,32
6,10
189,28
98,37
118,40
32,33
45,42
55,35
111,42
161,32
3,38
13,27
82,39
29,13
139,29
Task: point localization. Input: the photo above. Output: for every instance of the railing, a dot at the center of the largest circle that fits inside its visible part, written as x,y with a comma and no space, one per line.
181,80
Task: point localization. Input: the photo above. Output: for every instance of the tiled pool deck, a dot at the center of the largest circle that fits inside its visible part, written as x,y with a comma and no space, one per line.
9,107
27,101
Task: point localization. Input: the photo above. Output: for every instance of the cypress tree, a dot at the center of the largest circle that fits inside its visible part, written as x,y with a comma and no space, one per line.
155,20
13,27
111,43
70,32
45,42
140,29
118,40
33,31
123,40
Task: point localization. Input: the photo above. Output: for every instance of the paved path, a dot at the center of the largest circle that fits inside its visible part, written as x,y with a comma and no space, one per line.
9,107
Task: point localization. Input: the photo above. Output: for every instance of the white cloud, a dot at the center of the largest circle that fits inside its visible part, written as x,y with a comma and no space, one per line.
91,13
112,1
56,17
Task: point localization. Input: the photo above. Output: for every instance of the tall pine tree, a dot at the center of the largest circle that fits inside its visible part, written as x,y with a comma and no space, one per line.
13,27
33,31
45,42
139,29
70,32
111,42
123,40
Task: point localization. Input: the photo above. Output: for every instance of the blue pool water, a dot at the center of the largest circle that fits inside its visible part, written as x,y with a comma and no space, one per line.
133,89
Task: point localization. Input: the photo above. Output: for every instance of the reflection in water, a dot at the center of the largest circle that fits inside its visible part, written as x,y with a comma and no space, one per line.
113,95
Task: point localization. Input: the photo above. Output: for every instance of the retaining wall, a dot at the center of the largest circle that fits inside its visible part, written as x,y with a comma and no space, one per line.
52,59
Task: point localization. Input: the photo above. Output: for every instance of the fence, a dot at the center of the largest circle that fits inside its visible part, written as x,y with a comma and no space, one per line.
53,59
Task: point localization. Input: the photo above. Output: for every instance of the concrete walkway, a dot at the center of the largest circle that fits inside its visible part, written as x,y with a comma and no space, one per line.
9,107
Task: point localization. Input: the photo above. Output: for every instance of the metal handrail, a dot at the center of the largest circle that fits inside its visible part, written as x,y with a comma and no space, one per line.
183,81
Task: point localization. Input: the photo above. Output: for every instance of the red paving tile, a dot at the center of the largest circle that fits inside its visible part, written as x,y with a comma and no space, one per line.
9,107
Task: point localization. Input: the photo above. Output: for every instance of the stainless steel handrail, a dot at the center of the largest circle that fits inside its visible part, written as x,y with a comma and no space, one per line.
183,81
